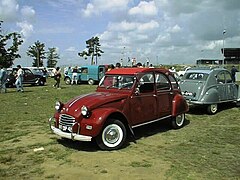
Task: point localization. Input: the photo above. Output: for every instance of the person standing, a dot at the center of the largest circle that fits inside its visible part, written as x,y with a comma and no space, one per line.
233,73
19,79
57,77
75,75
3,79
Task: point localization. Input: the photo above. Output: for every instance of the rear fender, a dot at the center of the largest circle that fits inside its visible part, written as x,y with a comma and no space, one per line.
179,105
210,97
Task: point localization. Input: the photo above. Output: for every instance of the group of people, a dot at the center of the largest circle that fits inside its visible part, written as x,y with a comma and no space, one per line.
4,77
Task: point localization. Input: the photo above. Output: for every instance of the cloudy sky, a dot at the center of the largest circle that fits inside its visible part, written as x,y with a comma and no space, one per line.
161,31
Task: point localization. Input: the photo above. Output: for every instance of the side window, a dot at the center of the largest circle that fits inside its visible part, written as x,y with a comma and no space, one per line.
27,72
162,82
228,77
85,70
221,78
173,82
147,83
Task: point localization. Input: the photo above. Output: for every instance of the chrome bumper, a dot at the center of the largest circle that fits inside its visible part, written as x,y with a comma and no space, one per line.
67,135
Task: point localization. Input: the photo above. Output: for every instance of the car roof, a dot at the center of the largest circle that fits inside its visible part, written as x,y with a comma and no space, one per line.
132,71
206,70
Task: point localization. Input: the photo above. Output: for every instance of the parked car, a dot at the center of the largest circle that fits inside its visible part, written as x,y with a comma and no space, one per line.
28,77
90,74
125,99
209,87
182,72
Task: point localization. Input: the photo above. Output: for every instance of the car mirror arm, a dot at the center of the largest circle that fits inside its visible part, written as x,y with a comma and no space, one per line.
137,91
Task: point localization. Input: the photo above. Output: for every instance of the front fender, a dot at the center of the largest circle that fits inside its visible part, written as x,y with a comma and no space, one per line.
93,125
179,105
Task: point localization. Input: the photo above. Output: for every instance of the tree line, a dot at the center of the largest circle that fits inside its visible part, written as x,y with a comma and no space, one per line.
10,43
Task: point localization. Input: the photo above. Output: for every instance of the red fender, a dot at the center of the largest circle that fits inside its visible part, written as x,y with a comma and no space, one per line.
179,105
96,120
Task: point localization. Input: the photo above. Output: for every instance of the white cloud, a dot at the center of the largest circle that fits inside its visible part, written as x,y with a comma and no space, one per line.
8,10
28,13
148,26
99,6
71,49
133,26
26,28
174,29
144,8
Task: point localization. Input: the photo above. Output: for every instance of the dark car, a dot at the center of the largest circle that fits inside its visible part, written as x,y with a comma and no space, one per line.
28,77
125,99
206,86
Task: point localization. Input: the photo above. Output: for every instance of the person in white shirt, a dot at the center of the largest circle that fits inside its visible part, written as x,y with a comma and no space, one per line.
3,79
19,79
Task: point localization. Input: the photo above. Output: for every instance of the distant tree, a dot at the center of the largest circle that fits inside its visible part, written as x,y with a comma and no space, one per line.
9,46
93,49
52,57
37,51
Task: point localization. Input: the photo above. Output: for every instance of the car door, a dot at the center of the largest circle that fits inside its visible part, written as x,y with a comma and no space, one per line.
28,77
221,86
231,88
164,95
84,73
143,102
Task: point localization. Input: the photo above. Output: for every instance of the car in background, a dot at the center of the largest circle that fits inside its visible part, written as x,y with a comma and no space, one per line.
182,72
209,87
28,77
90,74
126,98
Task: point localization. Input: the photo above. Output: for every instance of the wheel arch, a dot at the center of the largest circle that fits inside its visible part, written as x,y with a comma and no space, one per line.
119,116
179,105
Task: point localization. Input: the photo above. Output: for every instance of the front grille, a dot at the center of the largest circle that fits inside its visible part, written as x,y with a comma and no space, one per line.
66,122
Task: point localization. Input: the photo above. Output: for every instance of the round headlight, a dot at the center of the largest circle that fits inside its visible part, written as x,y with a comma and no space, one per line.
84,110
58,106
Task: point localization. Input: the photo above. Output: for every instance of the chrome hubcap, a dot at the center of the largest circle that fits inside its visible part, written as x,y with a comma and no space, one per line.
179,119
111,134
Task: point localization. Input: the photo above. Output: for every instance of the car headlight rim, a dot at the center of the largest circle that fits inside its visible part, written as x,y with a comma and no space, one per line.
58,106
84,111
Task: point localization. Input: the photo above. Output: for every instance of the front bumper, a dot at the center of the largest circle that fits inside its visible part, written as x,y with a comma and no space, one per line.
68,135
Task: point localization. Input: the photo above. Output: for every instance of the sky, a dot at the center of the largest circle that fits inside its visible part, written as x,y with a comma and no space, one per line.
158,31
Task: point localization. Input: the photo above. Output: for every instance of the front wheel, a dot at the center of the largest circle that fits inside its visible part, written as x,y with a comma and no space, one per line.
212,109
91,82
178,121
113,135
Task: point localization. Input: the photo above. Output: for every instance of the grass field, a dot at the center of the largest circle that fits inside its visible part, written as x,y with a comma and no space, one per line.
208,147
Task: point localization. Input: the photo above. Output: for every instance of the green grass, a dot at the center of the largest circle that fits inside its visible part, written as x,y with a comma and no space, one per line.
206,148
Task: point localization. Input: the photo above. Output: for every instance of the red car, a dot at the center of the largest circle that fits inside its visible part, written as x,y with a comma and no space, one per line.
125,99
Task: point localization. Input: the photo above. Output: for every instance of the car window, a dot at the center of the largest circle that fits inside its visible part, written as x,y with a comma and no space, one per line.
27,72
195,76
117,81
221,78
173,82
146,83
84,70
228,77
162,82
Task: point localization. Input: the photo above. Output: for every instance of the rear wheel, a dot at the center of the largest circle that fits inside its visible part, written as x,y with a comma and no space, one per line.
41,83
178,121
113,135
212,109
67,81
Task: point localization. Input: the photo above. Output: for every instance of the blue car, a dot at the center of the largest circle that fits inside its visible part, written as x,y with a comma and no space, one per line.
90,74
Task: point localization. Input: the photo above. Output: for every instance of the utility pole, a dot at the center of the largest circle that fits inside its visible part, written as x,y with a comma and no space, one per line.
224,32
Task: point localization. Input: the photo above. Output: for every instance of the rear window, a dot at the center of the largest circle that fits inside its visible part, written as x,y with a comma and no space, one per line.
195,76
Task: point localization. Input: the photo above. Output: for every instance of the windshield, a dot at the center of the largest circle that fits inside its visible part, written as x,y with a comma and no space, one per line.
117,81
195,76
